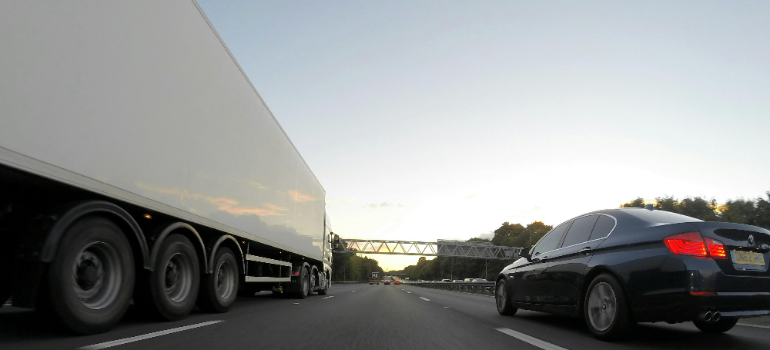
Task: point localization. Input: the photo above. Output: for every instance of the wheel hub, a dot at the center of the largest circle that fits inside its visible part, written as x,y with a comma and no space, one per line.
171,274
96,274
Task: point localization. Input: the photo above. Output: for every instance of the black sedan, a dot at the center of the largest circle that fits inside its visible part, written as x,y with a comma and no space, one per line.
617,267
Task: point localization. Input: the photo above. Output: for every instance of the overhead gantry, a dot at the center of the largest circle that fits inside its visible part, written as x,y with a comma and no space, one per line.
446,248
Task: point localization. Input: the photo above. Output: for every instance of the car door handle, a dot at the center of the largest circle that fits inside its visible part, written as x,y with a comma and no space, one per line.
585,250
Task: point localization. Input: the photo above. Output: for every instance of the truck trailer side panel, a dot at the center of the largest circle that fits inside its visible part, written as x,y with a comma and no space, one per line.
142,101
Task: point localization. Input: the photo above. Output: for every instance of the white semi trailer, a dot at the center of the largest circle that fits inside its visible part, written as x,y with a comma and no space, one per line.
138,161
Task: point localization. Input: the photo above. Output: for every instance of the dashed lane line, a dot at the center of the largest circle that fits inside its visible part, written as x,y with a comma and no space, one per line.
424,298
531,340
112,343
331,296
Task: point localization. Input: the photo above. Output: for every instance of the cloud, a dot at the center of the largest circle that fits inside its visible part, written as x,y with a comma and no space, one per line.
223,203
384,205
231,206
299,197
470,196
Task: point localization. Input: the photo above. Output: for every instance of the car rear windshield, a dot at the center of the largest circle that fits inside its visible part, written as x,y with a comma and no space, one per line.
660,217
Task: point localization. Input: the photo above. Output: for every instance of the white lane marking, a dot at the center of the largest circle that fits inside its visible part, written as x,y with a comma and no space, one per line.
424,298
110,344
296,303
331,296
531,340
446,307
753,325
409,292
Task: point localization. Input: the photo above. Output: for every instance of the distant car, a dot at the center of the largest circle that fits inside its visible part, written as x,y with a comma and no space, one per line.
458,280
446,280
479,280
386,282
397,282
373,281
621,266
468,280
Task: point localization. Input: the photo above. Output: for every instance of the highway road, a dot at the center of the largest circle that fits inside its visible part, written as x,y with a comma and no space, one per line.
360,316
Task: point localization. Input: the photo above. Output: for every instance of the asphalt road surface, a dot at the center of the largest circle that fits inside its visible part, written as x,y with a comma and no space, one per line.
360,316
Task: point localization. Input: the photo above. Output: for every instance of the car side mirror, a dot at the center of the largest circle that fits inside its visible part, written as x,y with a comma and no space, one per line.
525,254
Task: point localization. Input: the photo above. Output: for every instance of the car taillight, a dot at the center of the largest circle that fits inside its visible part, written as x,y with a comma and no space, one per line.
693,244
295,273
716,248
690,243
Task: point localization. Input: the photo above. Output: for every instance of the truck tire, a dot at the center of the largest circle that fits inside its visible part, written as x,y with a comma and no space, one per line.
219,289
304,284
325,288
91,279
175,278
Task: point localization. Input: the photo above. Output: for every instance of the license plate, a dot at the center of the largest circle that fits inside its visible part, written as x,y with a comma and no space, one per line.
748,258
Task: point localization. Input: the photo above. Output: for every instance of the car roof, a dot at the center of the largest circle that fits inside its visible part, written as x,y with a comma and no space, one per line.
645,217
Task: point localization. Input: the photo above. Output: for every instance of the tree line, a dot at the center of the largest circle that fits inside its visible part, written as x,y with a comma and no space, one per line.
743,211
351,267
740,211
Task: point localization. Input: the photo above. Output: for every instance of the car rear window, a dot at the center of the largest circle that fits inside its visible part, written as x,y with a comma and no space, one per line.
659,217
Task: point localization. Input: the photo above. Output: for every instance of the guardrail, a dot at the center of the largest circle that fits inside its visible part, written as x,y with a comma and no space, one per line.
487,288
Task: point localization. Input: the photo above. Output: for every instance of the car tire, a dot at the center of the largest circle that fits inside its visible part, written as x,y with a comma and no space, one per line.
91,279
605,308
502,300
219,288
721,326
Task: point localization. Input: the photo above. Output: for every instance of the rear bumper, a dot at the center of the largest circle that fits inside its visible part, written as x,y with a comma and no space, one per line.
736,296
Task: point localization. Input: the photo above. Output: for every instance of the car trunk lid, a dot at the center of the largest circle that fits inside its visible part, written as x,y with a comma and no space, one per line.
747,247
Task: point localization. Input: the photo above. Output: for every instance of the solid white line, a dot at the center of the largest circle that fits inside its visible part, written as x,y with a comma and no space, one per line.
531,340
331,296
754,325
424,298
110,344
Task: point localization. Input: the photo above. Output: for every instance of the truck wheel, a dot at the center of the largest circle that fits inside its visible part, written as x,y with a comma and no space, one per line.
606,309
175,278
304,284
325,287
219,288
91,279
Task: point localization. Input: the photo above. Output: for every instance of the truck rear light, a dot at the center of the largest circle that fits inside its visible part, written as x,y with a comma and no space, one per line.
295,273
690,243
716,248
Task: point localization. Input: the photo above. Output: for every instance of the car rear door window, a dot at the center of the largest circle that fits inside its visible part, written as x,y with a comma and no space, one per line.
551,239
603,226
580,230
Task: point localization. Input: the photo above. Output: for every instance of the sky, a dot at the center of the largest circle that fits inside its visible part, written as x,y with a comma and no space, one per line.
428,120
